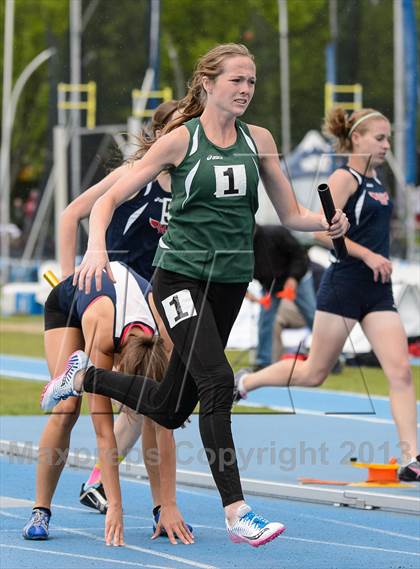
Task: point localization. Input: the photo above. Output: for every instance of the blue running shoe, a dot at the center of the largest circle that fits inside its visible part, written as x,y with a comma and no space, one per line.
61,387
252,529
37,526
156,516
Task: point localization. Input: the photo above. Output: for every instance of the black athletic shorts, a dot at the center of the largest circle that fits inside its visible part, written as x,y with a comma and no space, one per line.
58,314
353,297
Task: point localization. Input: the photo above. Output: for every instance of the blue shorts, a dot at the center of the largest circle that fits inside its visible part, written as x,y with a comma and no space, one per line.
66,305
353,297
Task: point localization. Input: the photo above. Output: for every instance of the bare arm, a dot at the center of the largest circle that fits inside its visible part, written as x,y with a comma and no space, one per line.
166,152
167,465
151,458
170,517
167,342
97,327
291,213
342,186
77,210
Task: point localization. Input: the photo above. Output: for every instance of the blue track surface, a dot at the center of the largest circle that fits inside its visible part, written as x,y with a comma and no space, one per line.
309,440
270,447
316,537
34,369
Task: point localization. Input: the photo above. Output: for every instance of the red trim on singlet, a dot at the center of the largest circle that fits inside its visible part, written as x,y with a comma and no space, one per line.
146,329
95,299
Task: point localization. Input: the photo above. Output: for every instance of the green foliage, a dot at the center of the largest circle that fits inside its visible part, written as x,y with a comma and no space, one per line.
19,397
256,25
365,51
22,398
351,379
115,45
38,24
115,54
31,345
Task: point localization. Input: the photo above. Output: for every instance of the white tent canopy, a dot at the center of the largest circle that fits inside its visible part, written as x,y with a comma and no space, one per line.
308,165
406,289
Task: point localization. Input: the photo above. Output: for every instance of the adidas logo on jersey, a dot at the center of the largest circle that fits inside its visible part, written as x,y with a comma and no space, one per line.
213,157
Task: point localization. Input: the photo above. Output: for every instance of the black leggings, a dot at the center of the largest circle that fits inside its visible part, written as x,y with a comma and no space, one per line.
199,317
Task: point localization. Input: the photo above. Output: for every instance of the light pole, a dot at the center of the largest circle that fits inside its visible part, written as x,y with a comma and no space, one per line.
399,102
75,79
4,168
10,101
284,77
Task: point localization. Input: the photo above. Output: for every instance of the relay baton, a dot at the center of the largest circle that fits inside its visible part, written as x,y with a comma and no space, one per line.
51,279
329,211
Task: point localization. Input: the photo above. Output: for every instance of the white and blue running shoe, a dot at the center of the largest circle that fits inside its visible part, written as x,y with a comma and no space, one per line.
37,526
252,529
62,387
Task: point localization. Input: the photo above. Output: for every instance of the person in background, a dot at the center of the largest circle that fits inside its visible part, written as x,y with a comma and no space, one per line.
282,269
358,288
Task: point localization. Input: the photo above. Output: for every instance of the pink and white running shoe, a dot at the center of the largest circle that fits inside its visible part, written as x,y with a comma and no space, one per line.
252,529
62,387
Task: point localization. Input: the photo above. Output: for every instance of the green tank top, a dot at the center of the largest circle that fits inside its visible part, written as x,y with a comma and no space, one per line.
214,200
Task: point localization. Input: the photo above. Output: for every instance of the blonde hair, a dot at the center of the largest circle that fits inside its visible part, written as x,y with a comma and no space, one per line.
144,355
340,125
209,65
148,136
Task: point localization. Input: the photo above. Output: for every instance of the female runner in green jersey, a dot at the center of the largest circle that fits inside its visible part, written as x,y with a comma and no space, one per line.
204,263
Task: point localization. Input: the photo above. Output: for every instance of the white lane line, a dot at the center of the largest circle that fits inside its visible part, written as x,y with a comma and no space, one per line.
179,489
5,373
173,558
24,359
289,538
147,550
5,502
93,528
8,502
85,511
359,526
352,546
78,556
329,415
320,392
9,515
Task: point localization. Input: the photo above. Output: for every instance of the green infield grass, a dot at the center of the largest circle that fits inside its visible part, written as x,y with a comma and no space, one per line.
22,335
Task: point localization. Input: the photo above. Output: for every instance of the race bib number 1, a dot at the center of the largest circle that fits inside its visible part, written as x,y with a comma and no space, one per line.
179,307
230,181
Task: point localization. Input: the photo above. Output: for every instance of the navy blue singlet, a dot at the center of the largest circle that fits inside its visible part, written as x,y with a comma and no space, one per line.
369,212
347,287
136,227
